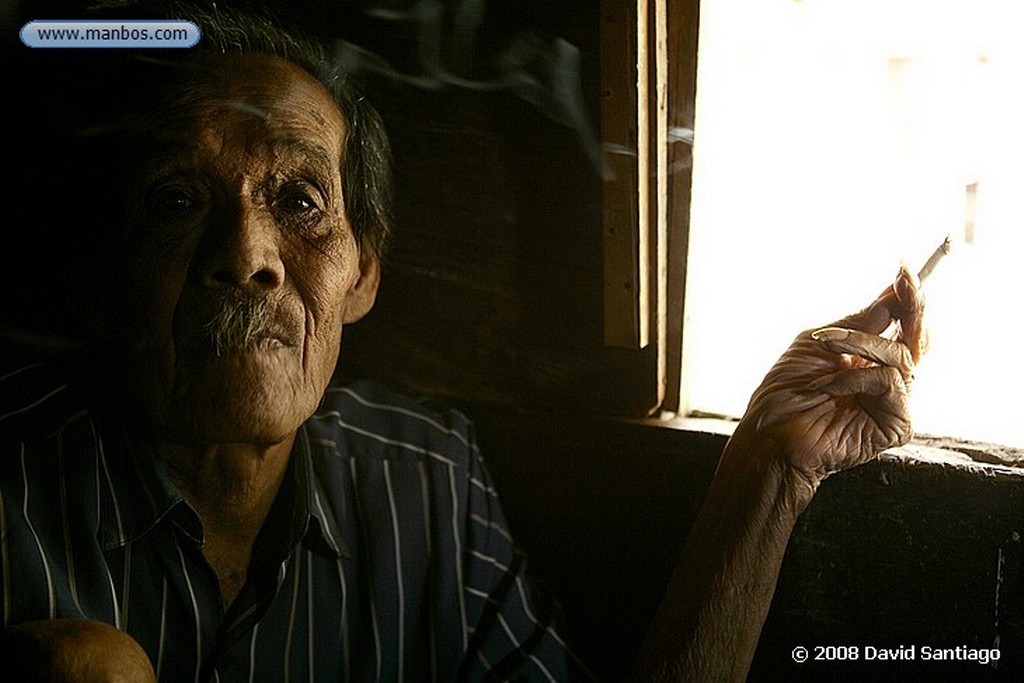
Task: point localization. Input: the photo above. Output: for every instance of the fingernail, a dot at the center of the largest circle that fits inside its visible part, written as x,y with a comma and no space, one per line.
827,334
906,273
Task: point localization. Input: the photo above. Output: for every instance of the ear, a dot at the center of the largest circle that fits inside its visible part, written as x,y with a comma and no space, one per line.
363,292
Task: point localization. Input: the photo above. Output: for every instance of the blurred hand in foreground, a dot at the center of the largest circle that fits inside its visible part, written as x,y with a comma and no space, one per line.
73,651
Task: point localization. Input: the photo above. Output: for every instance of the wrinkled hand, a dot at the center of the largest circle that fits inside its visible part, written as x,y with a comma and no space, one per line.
838,396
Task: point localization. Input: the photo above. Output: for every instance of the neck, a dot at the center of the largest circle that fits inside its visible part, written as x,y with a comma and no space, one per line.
232,487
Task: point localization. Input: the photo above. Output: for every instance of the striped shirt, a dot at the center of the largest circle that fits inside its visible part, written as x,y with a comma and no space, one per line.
385,557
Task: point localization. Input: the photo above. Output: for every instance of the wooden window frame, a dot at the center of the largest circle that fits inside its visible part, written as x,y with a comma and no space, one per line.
648,73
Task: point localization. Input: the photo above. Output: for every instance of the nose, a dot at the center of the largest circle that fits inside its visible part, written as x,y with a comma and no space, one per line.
242,250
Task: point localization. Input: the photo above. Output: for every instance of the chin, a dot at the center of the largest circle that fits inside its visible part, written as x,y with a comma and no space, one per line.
234,424
261,435
260,410
255,417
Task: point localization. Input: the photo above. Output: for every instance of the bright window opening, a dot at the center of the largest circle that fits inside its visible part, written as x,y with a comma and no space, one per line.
833,139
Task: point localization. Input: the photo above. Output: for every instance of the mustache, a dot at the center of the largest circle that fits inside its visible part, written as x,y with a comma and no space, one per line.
239,323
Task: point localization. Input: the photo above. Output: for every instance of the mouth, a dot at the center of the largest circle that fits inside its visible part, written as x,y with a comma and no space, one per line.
260,345
246,326
256,343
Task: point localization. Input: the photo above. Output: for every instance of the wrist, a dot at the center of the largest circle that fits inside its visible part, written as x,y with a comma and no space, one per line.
754,461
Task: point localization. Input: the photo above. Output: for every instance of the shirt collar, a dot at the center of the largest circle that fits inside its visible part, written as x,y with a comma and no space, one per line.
138,490
321,507
139,494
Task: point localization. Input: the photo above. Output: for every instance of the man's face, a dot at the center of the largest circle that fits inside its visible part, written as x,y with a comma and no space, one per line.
242,265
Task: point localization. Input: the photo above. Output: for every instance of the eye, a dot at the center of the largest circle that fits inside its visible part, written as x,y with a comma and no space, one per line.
300,206
297,199
171,202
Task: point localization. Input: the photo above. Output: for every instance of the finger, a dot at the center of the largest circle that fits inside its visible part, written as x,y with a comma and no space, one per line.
868,346
901,299
876,380
876,317
910,313
883,398
789,404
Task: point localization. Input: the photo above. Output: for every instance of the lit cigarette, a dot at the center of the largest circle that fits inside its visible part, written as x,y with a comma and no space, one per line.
933,260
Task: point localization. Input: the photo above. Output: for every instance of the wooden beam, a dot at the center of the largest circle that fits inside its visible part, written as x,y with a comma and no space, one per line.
626,194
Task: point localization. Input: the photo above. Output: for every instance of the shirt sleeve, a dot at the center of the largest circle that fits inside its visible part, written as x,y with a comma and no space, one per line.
511,620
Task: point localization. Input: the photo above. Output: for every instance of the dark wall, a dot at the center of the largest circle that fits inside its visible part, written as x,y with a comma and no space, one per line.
493,289
894,553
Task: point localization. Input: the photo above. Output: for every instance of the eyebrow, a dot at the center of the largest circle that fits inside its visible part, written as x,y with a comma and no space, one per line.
321,161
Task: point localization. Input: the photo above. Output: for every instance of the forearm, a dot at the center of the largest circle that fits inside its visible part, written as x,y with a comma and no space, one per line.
834,400
710,618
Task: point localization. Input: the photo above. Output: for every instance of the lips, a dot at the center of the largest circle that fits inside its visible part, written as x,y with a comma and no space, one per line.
266,337
260,344
231,325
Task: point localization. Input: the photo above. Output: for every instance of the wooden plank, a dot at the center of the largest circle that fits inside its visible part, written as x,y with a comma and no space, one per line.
626,192
683,21
659,51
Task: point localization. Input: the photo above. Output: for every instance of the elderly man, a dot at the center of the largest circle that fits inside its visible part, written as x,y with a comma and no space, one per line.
191,499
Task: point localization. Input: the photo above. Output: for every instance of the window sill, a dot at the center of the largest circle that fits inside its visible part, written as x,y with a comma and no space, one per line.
985,458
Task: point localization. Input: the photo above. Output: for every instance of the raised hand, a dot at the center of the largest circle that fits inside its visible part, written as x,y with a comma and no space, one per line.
838,396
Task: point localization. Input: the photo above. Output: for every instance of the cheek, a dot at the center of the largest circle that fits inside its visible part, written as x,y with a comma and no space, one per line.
323,286
324,308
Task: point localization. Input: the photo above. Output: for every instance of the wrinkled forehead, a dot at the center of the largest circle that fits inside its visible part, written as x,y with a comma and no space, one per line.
257,95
